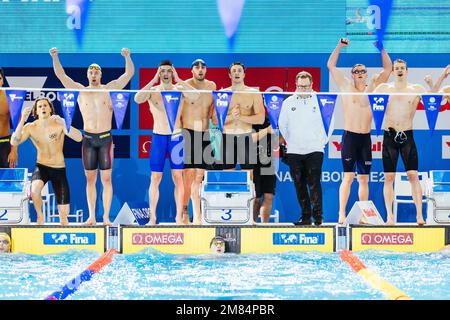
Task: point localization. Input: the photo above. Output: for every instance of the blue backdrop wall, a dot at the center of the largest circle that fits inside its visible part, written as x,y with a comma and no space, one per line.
131,174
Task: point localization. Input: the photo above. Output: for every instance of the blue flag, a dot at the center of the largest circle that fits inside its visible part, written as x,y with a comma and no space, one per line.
77,11
15,102
222,103
378,103
68,101
327,103
273,102
120,103
432,104
171,101
380,11
230,12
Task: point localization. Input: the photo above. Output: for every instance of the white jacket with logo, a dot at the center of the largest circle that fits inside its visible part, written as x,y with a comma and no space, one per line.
301,125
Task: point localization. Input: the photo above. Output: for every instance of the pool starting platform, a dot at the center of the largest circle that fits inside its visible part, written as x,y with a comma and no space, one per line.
226,199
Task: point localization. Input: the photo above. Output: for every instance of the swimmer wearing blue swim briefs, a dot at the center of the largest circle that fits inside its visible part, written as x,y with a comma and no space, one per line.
356,141
164,141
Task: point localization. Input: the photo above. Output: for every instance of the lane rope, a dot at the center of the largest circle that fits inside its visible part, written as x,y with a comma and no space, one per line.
73,285
389,290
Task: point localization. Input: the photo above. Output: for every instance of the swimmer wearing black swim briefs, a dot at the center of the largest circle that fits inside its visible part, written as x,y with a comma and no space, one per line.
47,133
399,142
5,149
97,151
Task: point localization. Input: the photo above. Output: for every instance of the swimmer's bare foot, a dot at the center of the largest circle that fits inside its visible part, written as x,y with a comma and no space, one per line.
197,220
90,222
63,219
179,221
341,218
390,222
186,215
40,220
152,220
420,221
106,221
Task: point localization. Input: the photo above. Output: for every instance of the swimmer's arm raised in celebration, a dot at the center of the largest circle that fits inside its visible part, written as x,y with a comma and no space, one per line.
384,75
143,95
437,85
123,80
22,132
337,74
258,107
73,134
61,74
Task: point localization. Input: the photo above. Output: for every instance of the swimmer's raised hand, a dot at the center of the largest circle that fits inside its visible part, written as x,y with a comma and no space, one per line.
157,75
175,75
54,52
125,52
428,80
344,42
26,113
447,71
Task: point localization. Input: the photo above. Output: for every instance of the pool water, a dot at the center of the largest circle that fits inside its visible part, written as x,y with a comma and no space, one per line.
154,275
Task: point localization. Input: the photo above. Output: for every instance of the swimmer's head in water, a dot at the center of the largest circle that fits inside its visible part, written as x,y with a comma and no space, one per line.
42,108
400,68
236,71
199,69
303,82
2,77
217,245
359,73
94,74
5,242
166,73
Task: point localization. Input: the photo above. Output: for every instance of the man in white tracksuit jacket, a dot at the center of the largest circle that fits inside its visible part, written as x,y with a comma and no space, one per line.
302,128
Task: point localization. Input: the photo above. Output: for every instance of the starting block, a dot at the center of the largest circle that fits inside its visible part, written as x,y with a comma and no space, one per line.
438,197
14,186
364,212
227,197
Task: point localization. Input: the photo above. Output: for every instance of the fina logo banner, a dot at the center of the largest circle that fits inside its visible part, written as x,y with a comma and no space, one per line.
378,103
222,103
62,239
15,102
326,104
299,239
171,101
68,101
120,103
273,102
432,104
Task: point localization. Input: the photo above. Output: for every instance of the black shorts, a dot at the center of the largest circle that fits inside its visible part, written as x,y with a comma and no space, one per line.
264,183
5,149
197,149
238,148
97,151
58,178
395,143
356,150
